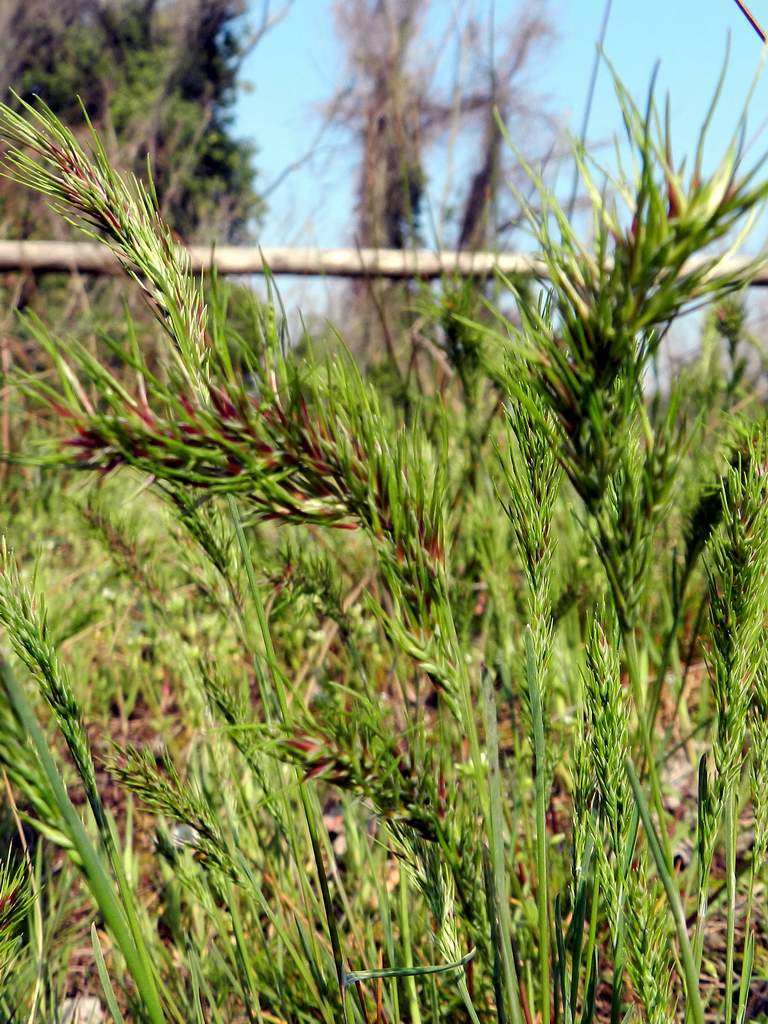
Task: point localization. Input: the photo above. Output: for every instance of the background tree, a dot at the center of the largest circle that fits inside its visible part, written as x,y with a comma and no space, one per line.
407,113
401,107
159,81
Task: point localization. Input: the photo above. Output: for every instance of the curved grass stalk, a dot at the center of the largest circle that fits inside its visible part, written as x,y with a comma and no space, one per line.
98,881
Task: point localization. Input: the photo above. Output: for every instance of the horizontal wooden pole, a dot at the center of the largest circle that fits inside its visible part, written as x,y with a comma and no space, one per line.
93,258
42,257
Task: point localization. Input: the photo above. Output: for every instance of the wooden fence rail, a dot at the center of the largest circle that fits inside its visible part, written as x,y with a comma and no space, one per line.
92,258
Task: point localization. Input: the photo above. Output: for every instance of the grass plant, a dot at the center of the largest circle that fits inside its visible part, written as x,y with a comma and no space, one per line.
350,705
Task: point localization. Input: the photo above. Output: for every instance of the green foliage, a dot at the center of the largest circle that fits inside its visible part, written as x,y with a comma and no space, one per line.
160,79
376,704
14,903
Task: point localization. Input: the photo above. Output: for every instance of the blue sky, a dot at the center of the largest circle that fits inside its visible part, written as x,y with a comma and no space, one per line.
298,65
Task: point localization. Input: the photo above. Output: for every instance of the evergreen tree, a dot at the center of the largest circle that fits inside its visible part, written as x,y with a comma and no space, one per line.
157,78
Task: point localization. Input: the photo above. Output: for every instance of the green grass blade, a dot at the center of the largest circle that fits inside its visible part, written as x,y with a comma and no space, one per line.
673,897
98,880
542,877
106,984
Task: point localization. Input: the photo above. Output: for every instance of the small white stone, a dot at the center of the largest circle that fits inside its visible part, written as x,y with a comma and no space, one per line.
184,835
82,1010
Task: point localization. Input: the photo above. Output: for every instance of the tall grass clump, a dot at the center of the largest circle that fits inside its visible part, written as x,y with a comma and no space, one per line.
342,706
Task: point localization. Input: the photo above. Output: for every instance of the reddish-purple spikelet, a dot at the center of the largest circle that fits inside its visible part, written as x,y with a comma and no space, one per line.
674,201
87,438
146,416
435,549
9,899
304,746
62,410
223,403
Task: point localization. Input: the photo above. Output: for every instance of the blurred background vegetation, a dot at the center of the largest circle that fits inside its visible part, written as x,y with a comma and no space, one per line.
159,79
